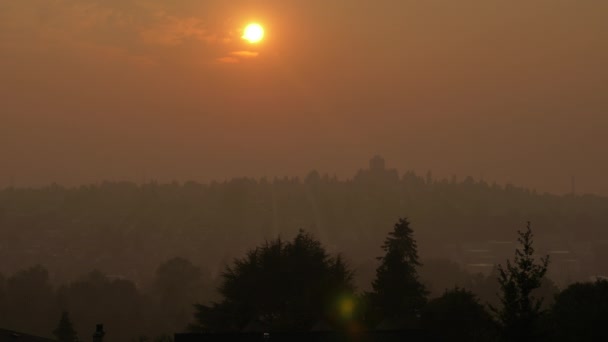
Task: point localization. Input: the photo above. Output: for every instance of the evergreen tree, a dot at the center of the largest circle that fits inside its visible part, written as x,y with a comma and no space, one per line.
520,311
398,296
65,330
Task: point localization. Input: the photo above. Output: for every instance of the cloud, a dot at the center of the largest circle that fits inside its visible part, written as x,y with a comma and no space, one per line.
112,53
244,54
128,31
173,31
237,56
228,60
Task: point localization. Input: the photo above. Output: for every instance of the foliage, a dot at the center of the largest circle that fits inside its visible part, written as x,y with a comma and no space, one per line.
580,312
97,298
29,301
178,285
398,296
65,330
520,310
279,286
487,287
458,316
128,229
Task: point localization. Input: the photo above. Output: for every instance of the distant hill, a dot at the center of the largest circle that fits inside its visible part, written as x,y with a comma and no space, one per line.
127,230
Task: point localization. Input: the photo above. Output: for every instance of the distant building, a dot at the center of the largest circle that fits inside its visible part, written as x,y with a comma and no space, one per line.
377,163
377,174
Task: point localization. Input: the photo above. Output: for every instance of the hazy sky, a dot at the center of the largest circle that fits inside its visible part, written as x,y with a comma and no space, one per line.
514,91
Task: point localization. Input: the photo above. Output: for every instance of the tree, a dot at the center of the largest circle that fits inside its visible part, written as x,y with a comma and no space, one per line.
3,300
398,296
178,285
96,298
65,330
521,310
30,298
279,286
580,311
458,316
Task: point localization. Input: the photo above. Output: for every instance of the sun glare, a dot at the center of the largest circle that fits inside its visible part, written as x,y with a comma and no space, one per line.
254,33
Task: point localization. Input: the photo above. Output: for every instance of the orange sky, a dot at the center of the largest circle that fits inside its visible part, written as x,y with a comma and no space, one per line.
514,91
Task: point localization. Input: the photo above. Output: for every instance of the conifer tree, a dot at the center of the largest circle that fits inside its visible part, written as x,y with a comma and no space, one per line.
398,296
65,330
520,311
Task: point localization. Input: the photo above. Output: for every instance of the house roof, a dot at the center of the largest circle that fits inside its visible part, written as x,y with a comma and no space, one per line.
14,336
312,336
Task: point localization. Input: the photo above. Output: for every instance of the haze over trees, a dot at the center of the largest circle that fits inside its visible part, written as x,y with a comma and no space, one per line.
146,253
127,230
157,168
298,286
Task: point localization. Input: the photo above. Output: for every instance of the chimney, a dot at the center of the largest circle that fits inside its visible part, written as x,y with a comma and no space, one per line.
99,333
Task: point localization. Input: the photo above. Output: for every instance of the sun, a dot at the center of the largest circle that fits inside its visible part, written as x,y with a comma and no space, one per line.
253,33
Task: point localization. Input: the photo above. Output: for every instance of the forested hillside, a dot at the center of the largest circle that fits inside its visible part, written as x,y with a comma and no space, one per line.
127,230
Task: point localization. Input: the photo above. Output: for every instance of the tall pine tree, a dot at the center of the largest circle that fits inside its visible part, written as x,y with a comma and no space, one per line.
398,296
521,311
65,330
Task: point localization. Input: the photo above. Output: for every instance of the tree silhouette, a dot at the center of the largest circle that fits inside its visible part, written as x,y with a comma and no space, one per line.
580,312
458,316
398,296
65,330
30,298
3,299
178,284
96,298
279,286
520,310
129,223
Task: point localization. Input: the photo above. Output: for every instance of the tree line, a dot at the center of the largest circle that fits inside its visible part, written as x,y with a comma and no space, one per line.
296,285
29,303
128,229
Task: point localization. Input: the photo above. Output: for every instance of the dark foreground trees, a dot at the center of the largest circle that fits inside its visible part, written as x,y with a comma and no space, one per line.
520,312
580,313
280,285
297,286
458,316
398,295
97,298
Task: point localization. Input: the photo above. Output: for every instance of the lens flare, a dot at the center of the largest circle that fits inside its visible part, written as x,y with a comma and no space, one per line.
347,308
